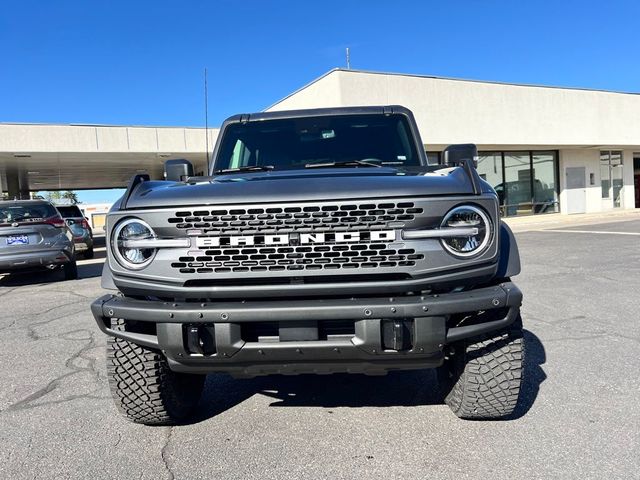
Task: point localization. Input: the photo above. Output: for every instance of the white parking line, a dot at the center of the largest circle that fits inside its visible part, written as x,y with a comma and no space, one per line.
90,261
589,231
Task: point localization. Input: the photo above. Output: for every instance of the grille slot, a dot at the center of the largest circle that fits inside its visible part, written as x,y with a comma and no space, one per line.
279,258
356,216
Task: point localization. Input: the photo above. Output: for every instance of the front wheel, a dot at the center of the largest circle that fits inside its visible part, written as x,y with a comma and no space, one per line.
481,378
143,387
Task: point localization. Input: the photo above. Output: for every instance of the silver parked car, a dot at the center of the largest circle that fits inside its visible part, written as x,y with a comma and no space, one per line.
82,233
33,235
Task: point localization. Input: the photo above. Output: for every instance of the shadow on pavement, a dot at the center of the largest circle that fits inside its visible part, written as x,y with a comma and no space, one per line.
93,267
404,388
31,278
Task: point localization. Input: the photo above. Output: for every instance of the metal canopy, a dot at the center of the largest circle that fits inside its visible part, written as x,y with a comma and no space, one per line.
72,157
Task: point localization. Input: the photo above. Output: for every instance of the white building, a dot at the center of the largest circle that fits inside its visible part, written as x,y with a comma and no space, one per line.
545,149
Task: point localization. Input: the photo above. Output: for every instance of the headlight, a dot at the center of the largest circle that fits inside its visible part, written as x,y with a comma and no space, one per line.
126,235
468,217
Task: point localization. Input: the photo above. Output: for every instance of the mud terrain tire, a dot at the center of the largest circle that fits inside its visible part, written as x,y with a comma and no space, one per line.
143,387
482,379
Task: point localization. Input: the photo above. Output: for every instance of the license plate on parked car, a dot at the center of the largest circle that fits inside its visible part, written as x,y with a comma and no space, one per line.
18,240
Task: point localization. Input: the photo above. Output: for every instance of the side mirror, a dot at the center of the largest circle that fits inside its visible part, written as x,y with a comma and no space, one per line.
454,155
177,170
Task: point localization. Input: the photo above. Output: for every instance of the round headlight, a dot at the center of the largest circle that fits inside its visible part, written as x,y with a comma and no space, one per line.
125,236
477,236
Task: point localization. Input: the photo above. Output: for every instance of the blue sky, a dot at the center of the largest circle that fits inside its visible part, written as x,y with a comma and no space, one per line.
141,62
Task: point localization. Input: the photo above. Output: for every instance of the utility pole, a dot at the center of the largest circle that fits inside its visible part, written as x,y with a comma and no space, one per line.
348,59
206,117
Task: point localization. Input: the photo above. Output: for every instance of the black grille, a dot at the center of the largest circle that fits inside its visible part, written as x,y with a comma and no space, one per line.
267,220
365,253
280,258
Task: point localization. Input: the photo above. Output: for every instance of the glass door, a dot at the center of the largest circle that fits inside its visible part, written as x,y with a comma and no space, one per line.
611,178
545,196
517,183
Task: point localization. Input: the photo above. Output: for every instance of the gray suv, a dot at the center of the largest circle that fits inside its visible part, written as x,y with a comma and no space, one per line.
82,233
34,236
320,241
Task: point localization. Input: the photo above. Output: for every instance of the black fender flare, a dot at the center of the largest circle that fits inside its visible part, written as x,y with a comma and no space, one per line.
509,262
106,281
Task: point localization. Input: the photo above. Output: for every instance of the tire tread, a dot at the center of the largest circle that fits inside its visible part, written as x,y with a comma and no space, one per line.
484,380
143,387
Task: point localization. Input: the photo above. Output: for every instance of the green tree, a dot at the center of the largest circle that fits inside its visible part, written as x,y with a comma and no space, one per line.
56,196
53,197
71,196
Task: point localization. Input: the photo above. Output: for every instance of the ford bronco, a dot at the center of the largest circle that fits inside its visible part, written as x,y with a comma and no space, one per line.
319,241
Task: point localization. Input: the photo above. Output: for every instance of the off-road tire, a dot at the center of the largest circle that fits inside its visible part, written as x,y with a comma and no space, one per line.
143,387
481,380
70,270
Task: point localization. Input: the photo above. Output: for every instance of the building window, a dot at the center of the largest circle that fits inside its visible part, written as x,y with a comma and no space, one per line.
611,176
433,158
526,182
605,174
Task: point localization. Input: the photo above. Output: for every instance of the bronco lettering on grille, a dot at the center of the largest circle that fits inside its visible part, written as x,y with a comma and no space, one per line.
297,238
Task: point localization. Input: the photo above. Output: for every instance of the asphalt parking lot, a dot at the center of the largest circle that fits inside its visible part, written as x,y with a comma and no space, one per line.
579,414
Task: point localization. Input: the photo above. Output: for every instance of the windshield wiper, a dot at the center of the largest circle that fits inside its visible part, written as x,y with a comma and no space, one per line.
249,168
348,163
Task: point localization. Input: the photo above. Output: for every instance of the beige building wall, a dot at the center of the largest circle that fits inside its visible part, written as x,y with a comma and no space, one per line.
30,138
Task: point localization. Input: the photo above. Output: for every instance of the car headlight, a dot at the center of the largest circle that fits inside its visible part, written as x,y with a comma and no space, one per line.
129,247
478,235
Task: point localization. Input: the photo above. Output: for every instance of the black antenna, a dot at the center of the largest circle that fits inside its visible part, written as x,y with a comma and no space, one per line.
206,118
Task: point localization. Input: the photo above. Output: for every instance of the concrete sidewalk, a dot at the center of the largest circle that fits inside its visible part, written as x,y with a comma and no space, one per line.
556,220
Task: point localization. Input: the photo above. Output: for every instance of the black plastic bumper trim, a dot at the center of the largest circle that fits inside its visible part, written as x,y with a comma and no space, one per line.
488,298
499,296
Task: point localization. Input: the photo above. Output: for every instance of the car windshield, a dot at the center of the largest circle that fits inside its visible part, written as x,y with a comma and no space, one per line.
69,212
25,212
343,140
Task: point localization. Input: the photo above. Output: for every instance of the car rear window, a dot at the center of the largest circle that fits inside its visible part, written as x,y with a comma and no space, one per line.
69,212
25,212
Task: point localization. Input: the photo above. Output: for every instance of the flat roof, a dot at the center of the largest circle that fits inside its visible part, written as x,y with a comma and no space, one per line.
437,77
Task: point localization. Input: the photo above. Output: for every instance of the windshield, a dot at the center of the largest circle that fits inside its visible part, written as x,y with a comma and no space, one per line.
25,212
302,142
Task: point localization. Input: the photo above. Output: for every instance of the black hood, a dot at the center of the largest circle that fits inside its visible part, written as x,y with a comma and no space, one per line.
301,185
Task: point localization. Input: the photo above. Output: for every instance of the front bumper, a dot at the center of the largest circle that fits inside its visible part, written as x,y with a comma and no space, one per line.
166,326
